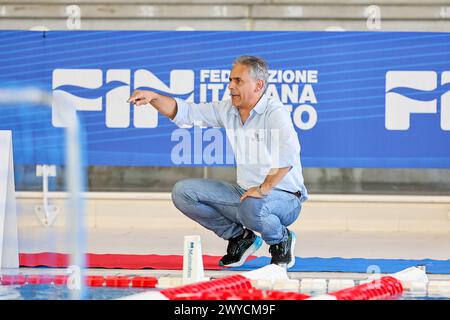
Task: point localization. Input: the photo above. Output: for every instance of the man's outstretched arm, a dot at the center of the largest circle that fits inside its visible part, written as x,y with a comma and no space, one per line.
164,104
178,110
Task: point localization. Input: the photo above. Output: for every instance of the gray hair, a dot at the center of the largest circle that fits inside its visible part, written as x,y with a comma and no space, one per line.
258,67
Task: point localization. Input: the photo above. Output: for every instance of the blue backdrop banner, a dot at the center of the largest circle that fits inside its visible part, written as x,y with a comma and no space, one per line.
357,99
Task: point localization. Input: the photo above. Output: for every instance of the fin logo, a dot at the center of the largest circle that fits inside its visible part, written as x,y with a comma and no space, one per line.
86,89
409,92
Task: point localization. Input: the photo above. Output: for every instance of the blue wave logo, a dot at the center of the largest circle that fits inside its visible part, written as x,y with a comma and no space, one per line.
421,95
88,93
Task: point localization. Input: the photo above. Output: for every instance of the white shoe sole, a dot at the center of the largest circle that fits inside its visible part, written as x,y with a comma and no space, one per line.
294,238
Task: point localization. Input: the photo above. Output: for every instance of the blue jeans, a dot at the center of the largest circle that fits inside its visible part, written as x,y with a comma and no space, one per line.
216,205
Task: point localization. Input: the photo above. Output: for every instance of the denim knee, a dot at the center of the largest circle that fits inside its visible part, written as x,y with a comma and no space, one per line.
180,192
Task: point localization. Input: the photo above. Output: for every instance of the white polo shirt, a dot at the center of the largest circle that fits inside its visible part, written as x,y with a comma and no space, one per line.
266,140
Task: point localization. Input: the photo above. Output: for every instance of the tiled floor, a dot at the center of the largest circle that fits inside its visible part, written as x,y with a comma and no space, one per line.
208,273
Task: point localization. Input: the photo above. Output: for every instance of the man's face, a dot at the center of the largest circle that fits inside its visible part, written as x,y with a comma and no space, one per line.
244,90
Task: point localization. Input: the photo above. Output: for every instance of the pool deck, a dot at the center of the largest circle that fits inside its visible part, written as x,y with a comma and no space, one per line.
371,227
323,244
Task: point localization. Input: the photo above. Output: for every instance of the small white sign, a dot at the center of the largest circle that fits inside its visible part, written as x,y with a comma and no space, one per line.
193,260
9,251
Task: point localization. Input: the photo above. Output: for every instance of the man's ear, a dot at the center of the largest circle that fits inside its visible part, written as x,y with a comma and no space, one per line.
260,85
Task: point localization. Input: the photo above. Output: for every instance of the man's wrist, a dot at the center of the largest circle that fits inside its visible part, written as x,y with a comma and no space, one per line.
264,190
152,96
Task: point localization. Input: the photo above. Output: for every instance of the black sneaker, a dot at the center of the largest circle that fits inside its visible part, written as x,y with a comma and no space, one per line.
283,252
240,248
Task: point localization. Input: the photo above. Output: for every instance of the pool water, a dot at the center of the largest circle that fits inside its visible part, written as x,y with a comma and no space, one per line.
52,292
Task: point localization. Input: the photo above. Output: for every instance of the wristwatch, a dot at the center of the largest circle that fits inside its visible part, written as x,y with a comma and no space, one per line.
260,191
